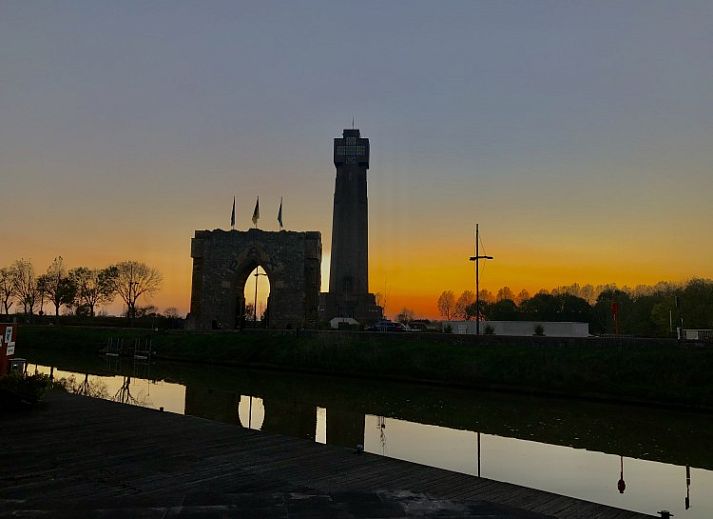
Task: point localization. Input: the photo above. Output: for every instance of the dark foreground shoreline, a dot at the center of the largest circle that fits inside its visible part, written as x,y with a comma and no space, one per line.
629,370
113,460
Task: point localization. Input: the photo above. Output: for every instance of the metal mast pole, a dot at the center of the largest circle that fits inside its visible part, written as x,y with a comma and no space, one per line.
478,453
257,273
477,282
477,259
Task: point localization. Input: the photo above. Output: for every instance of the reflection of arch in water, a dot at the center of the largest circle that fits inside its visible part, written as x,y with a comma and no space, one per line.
291,418
251,412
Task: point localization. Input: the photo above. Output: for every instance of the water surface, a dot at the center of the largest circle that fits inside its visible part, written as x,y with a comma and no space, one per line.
636,458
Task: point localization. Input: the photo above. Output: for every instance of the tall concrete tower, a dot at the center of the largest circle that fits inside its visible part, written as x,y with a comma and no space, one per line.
349,269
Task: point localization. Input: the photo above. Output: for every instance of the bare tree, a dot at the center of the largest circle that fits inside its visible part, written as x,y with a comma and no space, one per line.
587,293
505,293
446,304
147,311
94,286
523,295
25,284
249,312
172,313
58,286
486,295
466,299
133,280
406,315
42,282
7,289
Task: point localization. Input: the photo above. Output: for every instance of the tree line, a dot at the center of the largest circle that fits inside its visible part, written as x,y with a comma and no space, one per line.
646,310
80,290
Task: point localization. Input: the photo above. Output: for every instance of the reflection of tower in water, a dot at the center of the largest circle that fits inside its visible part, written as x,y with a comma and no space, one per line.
345,427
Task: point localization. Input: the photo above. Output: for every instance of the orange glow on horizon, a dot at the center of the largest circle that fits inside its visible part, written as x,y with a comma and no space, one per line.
414,283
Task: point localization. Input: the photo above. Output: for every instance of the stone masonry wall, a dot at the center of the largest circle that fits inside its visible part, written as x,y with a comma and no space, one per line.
222,261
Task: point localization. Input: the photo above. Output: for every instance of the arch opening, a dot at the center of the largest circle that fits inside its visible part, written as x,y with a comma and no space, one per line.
255,308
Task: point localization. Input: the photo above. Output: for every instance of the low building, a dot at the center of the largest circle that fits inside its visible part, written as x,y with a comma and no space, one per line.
520,328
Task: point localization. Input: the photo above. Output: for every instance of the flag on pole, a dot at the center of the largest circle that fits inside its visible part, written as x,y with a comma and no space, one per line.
232,216
256,212
279,214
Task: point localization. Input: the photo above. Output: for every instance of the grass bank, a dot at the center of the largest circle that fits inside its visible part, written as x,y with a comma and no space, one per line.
651,371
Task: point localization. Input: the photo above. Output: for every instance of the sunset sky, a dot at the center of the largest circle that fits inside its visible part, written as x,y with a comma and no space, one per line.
579,135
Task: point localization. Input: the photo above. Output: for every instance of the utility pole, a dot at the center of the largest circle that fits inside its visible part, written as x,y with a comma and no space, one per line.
477,259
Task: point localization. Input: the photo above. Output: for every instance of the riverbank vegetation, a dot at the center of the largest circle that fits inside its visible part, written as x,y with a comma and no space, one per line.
620,369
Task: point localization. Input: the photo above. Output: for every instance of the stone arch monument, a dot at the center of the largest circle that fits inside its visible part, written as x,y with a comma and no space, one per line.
223,260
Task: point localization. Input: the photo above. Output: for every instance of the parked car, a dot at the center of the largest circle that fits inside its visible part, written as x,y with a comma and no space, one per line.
388,326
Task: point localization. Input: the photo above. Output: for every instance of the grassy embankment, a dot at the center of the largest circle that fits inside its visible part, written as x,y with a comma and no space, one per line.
626,370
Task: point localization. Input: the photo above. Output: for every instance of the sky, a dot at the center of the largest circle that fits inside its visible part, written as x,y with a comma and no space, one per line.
577,134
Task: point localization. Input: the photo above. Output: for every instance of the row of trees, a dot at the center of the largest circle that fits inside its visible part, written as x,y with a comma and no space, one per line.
82,290
644,311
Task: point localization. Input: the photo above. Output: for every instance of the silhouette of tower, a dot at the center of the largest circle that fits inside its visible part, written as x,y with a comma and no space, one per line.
348,294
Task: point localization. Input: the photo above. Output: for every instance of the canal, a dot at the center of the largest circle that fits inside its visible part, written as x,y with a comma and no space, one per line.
632,457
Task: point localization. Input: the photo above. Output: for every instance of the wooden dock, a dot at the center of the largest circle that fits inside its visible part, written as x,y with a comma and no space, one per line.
81,457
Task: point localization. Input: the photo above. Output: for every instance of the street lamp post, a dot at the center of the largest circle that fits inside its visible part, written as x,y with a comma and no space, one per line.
257,273
477,259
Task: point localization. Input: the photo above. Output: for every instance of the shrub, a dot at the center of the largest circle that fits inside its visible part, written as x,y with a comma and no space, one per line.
539,330
17,391
489,330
